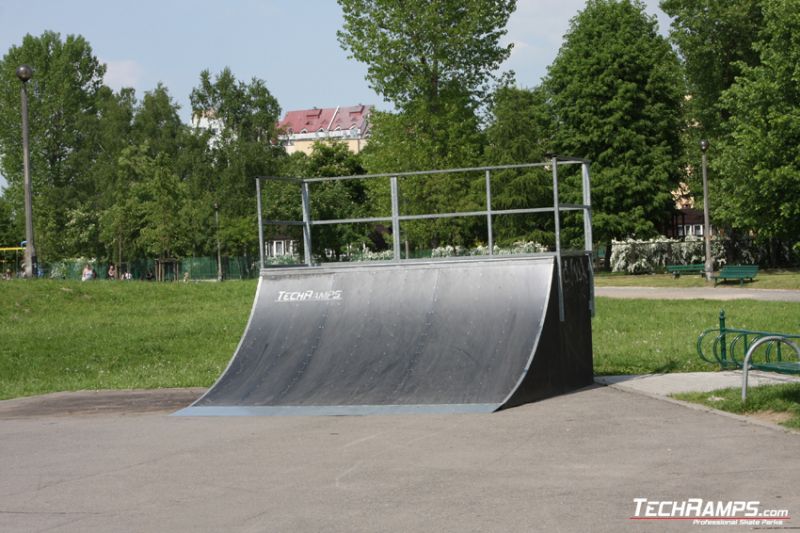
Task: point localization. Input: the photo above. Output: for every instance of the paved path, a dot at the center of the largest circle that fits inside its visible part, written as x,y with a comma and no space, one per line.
571,463
696,293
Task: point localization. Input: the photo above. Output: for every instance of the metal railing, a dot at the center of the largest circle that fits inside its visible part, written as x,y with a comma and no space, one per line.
395,218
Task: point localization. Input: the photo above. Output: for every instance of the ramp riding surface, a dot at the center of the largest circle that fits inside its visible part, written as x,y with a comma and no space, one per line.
452,336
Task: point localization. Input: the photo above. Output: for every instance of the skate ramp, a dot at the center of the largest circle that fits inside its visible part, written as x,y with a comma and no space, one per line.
452,336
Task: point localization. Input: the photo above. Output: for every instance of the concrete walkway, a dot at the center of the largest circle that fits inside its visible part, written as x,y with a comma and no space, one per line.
698,293
664,385
570,463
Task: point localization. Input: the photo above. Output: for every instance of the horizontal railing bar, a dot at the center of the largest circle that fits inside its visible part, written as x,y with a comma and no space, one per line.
444,171
436,216
280,178
564,207
284,222
350,221
444,215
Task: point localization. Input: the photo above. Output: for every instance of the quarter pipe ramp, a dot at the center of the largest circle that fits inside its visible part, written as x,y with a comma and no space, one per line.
450,336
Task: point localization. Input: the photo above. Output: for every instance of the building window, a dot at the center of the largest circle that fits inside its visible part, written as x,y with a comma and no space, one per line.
698,230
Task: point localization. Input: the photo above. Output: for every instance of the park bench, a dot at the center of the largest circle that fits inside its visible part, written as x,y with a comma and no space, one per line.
739,348
740,272
694,268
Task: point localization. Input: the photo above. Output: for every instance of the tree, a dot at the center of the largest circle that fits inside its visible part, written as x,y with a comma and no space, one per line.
242,117
521,130
10,235
436,61
414,50
715,39
419,139
758,163
63,115
330,200
616,93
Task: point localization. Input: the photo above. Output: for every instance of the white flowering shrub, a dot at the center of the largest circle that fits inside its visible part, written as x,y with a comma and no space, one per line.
519,247
368,255
647,256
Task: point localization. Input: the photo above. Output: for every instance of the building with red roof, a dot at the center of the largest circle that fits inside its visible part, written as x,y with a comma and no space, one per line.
299,130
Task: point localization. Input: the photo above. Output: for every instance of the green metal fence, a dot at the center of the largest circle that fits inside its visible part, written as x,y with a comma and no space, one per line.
182,269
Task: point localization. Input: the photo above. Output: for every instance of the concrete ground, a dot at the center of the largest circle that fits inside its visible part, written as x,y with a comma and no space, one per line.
117,461
570,463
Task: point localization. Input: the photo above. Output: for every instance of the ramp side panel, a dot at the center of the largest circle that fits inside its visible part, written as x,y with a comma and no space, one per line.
434,334
563,357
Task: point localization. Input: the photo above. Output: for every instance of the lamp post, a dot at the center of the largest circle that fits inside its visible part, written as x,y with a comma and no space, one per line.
25,73
709,266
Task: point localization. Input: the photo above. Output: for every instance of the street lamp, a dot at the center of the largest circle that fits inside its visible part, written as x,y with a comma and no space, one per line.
709,266
25,73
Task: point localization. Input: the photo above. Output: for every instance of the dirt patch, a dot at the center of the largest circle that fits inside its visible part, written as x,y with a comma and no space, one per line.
775,417
89,403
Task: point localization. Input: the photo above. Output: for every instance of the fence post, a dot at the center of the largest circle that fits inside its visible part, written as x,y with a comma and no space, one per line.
307,224
260,224
557,220
489,211
395,219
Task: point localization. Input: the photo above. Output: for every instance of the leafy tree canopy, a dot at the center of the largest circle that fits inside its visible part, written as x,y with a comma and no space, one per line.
616,93
715,39
415,49
63,118
758,162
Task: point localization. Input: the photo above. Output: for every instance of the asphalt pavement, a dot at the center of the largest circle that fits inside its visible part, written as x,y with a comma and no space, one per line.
578,462
594,460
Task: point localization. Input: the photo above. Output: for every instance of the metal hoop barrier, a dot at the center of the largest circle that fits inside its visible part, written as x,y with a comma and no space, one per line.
751,351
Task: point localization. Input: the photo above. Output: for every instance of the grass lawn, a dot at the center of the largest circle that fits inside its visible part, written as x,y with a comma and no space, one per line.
766,279
61,335
777,403
655,336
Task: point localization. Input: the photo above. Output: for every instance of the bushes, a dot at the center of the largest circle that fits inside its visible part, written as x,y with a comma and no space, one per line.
645,257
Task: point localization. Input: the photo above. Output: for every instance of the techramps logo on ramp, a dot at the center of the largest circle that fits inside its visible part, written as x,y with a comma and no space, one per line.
309,296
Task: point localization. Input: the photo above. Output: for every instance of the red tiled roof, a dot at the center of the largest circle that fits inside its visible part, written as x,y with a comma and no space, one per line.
326,119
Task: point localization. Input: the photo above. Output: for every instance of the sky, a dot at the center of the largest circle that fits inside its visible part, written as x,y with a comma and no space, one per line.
291,45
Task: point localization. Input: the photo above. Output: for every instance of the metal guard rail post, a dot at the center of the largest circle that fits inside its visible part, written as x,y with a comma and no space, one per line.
751,351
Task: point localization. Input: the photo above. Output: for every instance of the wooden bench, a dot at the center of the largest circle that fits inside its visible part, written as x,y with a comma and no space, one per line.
694,268
740,272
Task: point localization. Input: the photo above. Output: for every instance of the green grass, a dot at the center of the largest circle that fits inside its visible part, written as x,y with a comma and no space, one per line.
60,335
656,336
766,279
764,400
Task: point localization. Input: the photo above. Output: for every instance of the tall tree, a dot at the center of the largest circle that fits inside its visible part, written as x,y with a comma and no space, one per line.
416,49
715,39
521,130
241,119
63,114
616,93
436,62
758,162
330,200
419,139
